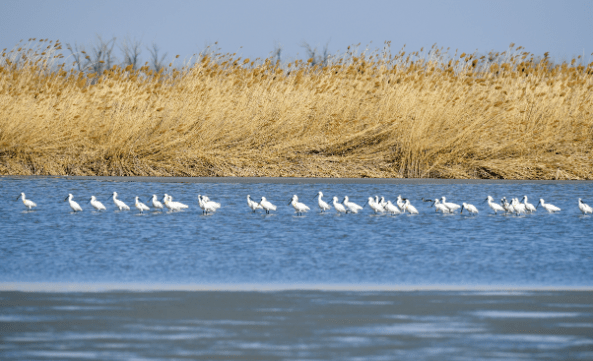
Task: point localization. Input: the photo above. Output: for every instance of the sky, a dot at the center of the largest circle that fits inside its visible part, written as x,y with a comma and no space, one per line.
253,28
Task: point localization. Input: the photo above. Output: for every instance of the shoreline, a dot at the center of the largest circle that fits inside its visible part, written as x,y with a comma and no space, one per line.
298,180
77,287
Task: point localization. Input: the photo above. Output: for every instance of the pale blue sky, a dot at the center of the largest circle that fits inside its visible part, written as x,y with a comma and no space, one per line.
564,28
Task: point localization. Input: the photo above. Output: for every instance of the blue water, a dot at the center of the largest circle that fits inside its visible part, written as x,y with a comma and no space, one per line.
52,244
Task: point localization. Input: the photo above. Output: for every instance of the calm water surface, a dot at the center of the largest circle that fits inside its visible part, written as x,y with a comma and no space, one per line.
235,247
51,244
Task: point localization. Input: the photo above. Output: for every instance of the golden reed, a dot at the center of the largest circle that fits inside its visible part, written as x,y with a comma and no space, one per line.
507,115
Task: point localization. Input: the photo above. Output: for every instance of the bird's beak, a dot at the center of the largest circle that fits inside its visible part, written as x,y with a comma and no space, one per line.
65,199
290,202
432,205
461,209
485,200
17,198
537,205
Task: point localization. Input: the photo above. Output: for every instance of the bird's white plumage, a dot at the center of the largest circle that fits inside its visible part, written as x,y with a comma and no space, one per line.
322,204
339,206
156,203
409,207
548,207
585,208
140,206
375,205
75,206
470,208
452,206
119,204
96,204
528,206
267,205
519,208
299,207
352,207
173,206
494,206
27,202
392,208
253,205
440,207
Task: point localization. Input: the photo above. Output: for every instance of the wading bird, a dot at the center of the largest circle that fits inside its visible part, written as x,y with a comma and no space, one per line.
494,206
75,206
97,205
519,208
156,203
409,207
141,206
438,206
528,206
339,206
548,207
119,204
322,204
392,208
352,207
299,207
266,205
470,208
252,204
452,206
375,206
27,202
585,208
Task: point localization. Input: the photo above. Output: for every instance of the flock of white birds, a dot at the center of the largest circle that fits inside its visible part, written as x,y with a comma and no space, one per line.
376,204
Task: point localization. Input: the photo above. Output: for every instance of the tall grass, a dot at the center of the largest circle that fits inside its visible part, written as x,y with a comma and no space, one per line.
508,115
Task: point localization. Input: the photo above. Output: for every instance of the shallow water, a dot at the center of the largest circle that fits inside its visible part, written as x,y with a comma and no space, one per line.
297,325
61,259
51,244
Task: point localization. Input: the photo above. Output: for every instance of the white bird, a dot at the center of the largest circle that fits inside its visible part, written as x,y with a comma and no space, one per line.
322,204
339,206
211,203
156,203
548,207
119,204
392,209
375,206
494,206
470,208
438,206
252,204
173,206
508,207
353,207
528,206
207,205
75,206
299,207
27,202
409,207
96,204
585,208
452,206
518,207
141,206
267,205
400,203
382,202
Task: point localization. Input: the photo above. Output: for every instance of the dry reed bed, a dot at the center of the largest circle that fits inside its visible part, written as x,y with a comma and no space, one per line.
366,115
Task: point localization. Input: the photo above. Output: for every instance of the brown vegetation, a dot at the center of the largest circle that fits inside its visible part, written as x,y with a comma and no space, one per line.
507,115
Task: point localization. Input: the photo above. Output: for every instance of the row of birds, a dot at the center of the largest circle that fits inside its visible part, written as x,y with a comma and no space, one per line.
378,205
